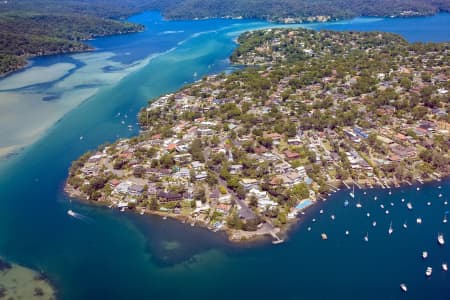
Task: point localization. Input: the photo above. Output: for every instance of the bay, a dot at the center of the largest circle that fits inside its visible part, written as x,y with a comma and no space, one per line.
111,255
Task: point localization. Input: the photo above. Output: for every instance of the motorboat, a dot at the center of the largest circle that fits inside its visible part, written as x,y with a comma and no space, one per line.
374,223
366,237
419,220
429,271
403,287
424,254
444,267
390,230
71,213
358,205
409,205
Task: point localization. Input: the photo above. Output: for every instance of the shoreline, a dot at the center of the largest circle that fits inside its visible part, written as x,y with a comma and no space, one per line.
241,237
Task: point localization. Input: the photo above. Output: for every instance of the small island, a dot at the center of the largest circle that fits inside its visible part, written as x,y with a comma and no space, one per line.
247,153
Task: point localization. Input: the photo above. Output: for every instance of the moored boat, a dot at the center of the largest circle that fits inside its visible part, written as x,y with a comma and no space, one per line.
419,220
404,287
440,239
429,271
424,254
444,267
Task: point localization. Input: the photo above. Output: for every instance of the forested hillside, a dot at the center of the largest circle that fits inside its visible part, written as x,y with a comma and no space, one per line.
40,27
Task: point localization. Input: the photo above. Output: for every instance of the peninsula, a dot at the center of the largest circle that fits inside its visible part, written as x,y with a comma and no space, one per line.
247,152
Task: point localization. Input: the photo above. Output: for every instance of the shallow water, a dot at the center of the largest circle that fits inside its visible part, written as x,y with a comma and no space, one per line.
125,256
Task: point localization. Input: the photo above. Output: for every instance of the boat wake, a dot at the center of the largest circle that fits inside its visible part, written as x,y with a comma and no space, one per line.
79,216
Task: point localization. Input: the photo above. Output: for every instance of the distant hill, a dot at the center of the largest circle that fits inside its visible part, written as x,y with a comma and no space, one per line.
277,10
42,27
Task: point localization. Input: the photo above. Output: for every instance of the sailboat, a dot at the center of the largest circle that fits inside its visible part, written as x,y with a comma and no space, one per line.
391,230
352,193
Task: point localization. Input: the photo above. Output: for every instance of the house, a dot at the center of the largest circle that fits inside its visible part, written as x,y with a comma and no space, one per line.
235,169
135,189
249,183
169,197
291,155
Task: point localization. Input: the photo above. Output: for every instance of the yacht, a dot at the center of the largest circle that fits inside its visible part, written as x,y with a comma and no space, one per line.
352,193
366,237
429,271
358,205
374,223
404,287
440,239
390,230
444,267
71,213
419,220
409,205
424,254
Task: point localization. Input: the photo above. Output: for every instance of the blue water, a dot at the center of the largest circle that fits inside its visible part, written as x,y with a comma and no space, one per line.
113,255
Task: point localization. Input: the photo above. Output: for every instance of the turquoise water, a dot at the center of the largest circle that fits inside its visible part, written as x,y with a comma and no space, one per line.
113,255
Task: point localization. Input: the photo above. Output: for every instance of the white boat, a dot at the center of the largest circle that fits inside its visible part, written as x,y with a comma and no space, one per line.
347,232
440,239
390,230
122,209
321,211
346,203
419,220
81,137
429,271
405,225
352,193
444,267
403,200
418,188
445,202
429,203
382,205
375,198
314,220
445,219
358,205
387,211
324,236
309,228
440,195
368,215
390,193
404,287
333,217
366,237
424,254
409,205
365,193
392,203
374,223
71,213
